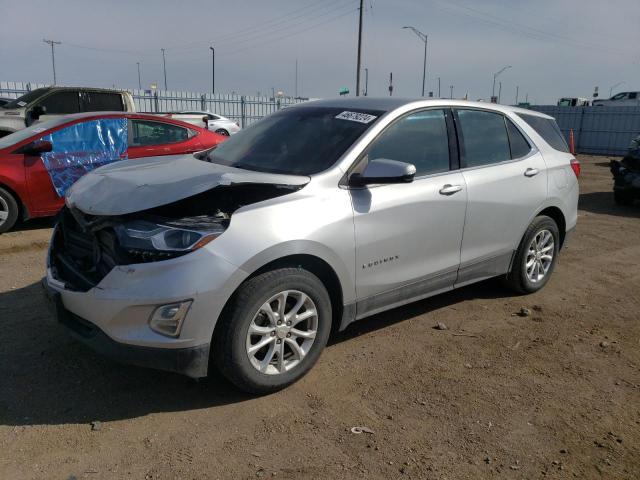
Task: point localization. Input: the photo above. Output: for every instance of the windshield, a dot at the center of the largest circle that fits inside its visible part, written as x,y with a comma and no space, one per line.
296,141
26,99
25,133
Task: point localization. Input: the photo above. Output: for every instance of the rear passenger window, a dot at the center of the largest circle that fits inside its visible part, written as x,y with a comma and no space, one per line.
420,139
148,132
484,137
518,144
548,129
102,102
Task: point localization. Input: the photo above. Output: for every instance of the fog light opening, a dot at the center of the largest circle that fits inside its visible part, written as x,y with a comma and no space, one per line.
167,319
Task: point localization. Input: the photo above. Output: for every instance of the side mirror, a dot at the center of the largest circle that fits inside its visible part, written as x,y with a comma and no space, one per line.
384,171
205,119
38,111
36,148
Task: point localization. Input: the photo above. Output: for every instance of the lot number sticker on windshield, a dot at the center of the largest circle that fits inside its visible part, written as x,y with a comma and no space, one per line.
356,117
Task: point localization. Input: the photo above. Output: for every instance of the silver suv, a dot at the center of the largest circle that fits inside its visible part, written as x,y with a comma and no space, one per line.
312,218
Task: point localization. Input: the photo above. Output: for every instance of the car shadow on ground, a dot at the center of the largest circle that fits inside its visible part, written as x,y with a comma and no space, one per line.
35,224
49,378
602,202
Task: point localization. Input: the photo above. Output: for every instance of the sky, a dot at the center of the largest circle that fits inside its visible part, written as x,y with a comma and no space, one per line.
555,48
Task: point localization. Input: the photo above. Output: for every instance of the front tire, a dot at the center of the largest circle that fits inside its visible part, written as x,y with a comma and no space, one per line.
273,331
8,211
536,256
222,131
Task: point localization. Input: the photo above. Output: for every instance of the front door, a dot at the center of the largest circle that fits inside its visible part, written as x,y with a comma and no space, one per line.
408,235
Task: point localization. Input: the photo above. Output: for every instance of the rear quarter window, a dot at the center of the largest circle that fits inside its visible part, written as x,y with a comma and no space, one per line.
548,129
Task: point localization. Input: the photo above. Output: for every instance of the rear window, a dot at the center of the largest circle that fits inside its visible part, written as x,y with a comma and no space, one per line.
548,129
102,102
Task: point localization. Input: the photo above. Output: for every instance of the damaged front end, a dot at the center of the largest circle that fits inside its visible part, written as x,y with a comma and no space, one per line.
86,247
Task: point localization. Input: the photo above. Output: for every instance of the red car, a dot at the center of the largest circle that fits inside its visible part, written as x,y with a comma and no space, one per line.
38,164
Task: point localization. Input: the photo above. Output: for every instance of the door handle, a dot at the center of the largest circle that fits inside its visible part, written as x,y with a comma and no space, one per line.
450,189
531,172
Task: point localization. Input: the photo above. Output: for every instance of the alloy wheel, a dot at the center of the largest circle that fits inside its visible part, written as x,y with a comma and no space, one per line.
282,332
540,256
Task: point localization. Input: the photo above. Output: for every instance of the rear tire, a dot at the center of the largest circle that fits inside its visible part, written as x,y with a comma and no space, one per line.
222,131
8,211
531,266
254,317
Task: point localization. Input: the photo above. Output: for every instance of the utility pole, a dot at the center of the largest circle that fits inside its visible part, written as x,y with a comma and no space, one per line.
139,79
359,50
366,82
439,87
495,75
451,88
517,91
53,56
390,83
296,90
424,38
164,67
213,70
499,91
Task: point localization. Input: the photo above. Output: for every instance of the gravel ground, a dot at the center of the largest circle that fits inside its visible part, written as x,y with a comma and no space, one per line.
552,395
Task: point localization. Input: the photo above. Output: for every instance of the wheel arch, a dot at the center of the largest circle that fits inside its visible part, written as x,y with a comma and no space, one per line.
557,216
313,264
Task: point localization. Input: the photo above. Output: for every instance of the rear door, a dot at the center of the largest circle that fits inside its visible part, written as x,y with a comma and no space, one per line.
148,138
506,181
408,235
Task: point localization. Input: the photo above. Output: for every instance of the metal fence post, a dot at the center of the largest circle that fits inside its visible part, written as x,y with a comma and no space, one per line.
580,129
155,102
243,115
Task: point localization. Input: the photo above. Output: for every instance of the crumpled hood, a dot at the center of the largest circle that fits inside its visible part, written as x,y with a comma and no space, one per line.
134,185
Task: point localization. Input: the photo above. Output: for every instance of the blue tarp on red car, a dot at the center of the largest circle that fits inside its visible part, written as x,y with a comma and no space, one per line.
83,147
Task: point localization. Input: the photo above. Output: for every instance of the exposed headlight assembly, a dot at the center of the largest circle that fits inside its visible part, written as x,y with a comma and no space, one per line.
141,236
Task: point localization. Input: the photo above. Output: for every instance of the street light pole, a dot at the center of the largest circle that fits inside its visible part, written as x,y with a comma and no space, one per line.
495,75
139,80
164,68
439,87
213,70
451,87
517,91
424,38
53,56
359,50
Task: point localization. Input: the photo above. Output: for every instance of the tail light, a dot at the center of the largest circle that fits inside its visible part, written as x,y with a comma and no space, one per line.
575,166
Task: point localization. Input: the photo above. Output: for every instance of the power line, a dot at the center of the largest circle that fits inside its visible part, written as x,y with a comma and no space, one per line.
259,36
263,27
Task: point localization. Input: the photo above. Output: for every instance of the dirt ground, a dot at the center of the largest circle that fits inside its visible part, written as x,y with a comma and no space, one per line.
552,395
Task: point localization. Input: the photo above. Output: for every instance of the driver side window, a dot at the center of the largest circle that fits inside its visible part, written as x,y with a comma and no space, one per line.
419,138
62,102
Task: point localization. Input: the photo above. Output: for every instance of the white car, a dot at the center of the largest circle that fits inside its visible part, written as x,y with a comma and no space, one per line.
216,123
622,99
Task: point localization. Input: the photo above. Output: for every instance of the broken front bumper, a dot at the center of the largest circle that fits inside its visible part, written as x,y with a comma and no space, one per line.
113,316
191,361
